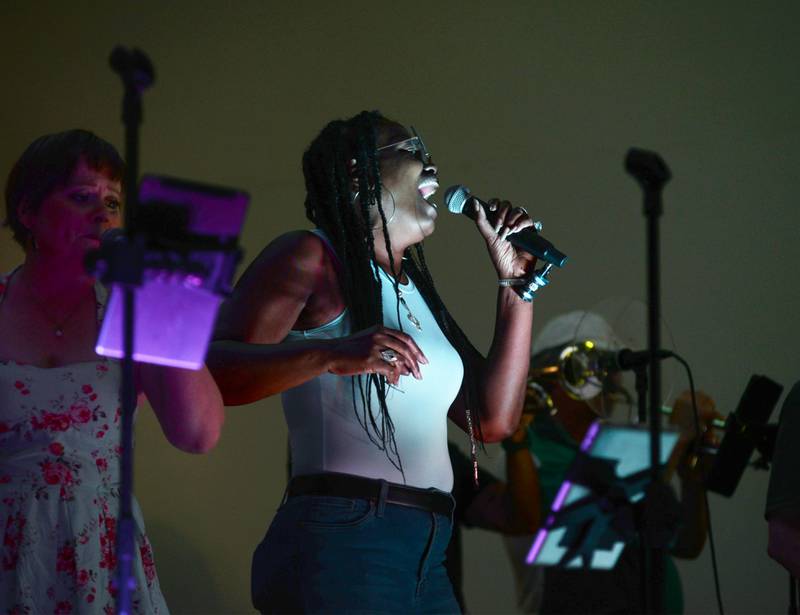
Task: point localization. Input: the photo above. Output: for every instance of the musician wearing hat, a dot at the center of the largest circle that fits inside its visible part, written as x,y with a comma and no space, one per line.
563,404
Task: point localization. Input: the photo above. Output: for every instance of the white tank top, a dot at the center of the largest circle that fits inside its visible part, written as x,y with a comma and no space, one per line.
324,429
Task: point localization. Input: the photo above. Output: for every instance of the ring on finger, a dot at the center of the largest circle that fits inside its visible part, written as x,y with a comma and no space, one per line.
388,355
522,209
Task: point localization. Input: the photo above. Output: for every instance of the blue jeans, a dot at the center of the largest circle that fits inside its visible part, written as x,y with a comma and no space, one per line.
327,554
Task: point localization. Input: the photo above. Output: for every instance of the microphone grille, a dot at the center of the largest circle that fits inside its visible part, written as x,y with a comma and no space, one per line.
455,197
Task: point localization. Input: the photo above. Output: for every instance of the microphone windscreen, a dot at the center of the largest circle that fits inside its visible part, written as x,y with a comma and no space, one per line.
112,235
455,197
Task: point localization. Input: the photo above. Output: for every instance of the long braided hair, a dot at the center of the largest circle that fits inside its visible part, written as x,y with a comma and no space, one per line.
331,206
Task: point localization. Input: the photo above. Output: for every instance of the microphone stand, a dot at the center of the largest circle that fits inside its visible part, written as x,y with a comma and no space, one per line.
652,173
125,268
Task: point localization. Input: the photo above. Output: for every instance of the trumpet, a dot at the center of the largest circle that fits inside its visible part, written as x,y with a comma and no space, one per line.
579,369
582,369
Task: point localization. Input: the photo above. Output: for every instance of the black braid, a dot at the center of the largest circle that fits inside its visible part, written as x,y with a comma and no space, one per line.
329,205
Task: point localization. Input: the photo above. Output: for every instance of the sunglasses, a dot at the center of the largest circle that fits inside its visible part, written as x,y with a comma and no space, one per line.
414,145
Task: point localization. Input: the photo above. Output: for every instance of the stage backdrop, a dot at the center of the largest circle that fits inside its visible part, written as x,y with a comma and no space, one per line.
533,101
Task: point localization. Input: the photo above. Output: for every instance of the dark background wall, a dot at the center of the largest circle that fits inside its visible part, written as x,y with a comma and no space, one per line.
534,101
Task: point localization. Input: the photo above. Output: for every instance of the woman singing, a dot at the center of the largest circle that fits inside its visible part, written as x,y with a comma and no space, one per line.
346,323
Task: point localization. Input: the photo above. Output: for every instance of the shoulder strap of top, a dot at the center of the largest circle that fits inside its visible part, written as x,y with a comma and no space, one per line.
328,244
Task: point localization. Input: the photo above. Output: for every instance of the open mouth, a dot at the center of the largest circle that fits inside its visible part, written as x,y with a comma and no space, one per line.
428,188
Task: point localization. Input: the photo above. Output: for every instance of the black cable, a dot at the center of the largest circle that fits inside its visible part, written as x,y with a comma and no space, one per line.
705,492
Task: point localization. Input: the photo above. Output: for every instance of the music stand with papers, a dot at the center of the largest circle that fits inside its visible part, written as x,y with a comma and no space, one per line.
190,232
594,512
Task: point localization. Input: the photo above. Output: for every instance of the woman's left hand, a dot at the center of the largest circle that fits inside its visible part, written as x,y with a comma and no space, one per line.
506,219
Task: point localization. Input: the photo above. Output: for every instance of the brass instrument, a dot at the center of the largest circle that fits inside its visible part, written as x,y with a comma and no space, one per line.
577,367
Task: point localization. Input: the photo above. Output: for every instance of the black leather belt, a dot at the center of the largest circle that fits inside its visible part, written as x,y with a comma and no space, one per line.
350,486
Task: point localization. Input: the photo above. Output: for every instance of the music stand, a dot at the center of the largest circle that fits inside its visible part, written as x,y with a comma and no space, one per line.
190,232
593,514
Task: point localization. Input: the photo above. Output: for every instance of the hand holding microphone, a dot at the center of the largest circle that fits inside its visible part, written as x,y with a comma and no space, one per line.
459,200
511,238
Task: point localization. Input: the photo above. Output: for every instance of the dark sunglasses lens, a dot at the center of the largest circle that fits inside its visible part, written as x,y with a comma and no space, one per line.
423,155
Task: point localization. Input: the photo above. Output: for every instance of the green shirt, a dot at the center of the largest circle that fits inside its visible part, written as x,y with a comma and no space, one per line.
555,449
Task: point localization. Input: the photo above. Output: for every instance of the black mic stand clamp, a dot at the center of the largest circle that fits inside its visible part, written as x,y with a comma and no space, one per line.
537,280
539,277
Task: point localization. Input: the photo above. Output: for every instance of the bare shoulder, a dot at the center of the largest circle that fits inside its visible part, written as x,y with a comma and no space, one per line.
297,251
274,289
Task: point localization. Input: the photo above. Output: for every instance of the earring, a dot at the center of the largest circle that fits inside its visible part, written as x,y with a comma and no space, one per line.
391,215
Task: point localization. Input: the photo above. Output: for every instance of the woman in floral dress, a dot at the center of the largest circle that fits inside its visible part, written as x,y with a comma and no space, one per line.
59,401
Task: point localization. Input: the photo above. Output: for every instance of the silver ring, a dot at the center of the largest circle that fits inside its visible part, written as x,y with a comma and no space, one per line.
388,355
523,210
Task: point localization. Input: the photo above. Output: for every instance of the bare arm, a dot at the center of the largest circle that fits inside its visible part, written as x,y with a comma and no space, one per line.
691,469
289,282
502,375
187,403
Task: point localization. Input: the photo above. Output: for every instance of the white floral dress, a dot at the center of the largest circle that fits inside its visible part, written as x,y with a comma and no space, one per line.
59,490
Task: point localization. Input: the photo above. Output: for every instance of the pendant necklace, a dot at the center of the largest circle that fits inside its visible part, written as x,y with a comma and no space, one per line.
414,320
58,324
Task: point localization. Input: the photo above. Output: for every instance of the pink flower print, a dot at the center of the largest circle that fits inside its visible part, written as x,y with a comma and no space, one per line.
101,367
108,539
102,464
80,413
111,588
52,421
56,448
93,397
87,388
63,608
58,422
65,559
83,577
12,540
146,552
20,386
83,538
57,473
50,473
